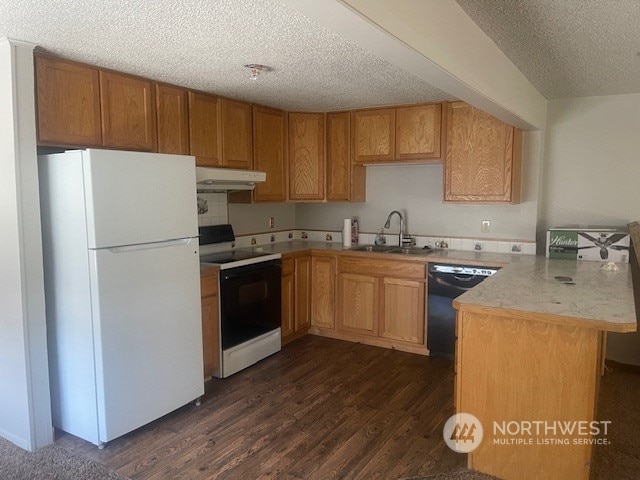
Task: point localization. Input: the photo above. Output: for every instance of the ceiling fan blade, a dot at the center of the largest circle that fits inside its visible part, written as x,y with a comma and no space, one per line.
618,247
588,237
616,237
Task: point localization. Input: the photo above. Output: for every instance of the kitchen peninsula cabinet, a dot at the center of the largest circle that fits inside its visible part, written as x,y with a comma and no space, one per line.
205,129
288,306
172,114
483,160
67,103
210,321
237,136
346,182
128,112
306,156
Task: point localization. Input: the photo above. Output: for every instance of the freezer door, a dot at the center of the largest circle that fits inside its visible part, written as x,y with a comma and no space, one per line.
135,197
148,333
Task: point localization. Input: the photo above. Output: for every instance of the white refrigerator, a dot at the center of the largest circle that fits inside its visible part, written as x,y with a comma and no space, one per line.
122,288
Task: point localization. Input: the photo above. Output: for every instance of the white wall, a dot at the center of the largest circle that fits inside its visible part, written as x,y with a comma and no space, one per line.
417,190
25,411
592,174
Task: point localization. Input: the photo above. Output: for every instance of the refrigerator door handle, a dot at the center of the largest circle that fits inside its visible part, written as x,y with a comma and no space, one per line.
149,246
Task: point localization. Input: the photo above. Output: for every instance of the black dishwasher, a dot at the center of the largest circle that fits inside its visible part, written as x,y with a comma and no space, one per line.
445,283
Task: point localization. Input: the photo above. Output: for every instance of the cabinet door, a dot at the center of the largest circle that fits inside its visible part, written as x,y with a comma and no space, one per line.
306,156
172,115
210,337
483,157
323,271
205,129
237,143
418,132
358,304
338,156
128,112
67,103
302,293
269,135
288,305
403,312
374,135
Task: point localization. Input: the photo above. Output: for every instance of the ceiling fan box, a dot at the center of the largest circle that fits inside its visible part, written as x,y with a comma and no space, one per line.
572,242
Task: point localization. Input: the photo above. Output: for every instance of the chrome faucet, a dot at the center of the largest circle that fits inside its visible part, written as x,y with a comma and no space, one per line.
388,224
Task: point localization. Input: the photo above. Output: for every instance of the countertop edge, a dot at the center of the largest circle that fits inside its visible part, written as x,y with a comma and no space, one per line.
546,317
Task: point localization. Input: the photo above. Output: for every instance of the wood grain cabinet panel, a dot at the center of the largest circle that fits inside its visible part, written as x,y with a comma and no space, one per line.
269,136
288,305
483,157
418,132
210,337
302,293
205,129
67,103
172,113
323,281
346,182
210,322
128,112
358,304
374,133
237,138
403,314
306,156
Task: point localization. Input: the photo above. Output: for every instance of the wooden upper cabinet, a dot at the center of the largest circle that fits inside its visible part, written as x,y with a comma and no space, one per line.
237,144
269,141
338,156
205,135
374,135
172,114
67,103
306,156
128,112
418,132
483,157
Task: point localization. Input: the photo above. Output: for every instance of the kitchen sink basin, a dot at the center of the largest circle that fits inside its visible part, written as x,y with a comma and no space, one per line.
393,249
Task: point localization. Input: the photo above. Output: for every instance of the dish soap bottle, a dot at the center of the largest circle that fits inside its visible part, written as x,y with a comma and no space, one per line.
380,238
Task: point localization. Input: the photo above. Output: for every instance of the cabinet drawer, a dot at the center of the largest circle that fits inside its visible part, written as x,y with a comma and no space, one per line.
388,268
209,285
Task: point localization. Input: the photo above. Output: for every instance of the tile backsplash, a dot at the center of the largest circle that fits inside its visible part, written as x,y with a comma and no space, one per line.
212,209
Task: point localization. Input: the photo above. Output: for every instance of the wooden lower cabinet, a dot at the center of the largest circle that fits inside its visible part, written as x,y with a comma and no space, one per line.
288,304
323,291
403,314
296,296
210,322
382,303
358,303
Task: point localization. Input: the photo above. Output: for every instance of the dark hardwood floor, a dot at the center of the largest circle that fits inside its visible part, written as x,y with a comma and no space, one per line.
321,408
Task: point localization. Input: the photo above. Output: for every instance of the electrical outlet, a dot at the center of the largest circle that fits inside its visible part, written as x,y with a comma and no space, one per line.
486,226
271,222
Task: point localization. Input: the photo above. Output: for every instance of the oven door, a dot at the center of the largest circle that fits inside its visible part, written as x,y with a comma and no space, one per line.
250,302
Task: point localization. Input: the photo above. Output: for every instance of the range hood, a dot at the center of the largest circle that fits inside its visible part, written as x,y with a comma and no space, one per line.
227,180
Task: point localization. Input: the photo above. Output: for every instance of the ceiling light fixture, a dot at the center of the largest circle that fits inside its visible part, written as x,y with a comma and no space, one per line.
256,70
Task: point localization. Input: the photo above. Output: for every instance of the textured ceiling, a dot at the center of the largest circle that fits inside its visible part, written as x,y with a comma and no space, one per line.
203,44
566,48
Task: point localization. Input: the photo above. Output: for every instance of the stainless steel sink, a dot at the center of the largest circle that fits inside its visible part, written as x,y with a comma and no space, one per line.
393,249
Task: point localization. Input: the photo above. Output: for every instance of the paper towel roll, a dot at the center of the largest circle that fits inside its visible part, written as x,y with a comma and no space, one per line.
346,233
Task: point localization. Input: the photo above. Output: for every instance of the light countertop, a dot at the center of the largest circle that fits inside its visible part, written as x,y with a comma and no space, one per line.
525,287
